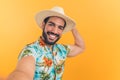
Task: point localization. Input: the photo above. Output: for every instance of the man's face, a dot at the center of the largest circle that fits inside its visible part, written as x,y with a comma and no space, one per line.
53,29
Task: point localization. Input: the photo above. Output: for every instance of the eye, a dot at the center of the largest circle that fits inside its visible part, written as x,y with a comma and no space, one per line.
50,24
61,27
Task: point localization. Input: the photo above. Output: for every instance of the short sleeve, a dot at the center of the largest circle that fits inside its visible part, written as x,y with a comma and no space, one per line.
27,51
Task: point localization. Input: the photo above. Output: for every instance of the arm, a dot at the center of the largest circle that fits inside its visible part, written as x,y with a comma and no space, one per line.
24,70
78,46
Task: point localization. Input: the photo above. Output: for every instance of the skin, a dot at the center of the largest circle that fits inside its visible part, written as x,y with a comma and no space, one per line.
26,66
53,29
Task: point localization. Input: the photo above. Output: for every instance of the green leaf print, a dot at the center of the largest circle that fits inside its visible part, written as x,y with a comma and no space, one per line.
45,75
26,52
40,64
58,68
45,49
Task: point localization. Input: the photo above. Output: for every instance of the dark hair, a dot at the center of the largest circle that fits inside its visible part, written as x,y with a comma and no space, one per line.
47,18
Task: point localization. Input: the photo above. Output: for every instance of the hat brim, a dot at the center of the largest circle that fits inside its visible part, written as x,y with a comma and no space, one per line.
47,13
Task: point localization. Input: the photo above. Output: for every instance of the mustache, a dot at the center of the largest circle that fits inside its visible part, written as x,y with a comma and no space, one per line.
53,34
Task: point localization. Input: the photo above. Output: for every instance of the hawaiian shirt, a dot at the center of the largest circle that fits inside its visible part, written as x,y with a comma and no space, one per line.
49,63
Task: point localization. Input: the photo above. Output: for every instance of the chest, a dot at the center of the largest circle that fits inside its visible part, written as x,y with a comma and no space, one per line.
50,59
49,63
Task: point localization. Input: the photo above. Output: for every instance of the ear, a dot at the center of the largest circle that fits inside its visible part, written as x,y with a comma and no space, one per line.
43,25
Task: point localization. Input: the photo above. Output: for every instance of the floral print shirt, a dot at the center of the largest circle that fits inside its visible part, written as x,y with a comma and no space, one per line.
49,63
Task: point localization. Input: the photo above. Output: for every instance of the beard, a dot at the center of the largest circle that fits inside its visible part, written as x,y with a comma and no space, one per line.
46,38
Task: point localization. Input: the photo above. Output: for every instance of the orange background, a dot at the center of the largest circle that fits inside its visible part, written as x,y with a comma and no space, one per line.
98,21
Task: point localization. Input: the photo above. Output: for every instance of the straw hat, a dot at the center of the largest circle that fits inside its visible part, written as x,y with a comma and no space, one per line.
55,11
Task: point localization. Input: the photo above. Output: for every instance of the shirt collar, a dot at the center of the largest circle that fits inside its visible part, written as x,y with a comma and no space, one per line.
41,41
43,44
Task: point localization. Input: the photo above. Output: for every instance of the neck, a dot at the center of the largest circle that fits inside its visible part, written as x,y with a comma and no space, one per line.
50,46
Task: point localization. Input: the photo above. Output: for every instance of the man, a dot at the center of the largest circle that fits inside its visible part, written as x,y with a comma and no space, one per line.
44,59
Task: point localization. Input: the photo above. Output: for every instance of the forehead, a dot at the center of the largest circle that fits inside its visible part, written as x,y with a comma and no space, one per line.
57,20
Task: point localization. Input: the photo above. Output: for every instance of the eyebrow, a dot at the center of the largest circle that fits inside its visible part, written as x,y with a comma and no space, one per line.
51,22
54,24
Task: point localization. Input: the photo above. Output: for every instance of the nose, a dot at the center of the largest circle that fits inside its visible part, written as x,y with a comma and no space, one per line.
55,30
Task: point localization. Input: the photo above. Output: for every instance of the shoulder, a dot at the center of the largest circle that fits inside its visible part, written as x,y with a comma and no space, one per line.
63,46
28,50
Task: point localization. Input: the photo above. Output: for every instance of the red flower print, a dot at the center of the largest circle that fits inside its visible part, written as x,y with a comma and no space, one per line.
48,62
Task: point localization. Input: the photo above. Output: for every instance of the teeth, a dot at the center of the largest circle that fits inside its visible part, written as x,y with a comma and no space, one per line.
52,36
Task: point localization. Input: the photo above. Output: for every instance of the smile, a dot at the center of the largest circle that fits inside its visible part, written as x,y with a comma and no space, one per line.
52,36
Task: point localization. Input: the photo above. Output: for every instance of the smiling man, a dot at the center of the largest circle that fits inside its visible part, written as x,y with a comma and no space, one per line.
44,59
52,29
